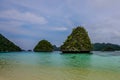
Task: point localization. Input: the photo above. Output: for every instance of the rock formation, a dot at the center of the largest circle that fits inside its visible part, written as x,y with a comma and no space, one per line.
43,46
78,41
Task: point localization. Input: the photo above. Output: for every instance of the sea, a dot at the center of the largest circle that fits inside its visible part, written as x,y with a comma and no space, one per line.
57,66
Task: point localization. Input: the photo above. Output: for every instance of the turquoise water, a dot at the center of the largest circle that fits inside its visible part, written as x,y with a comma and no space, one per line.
57,66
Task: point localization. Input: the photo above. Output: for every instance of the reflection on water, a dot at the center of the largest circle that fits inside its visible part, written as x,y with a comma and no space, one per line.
55,66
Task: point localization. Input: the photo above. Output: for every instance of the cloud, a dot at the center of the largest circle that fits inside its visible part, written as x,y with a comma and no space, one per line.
18,29
59,28
22,16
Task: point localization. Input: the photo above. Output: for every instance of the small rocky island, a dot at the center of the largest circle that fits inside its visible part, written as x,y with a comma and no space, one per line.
77,42
7,46
43,46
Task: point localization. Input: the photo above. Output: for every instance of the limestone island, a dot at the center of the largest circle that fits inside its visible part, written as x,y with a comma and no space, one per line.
43,46
8,46
77,42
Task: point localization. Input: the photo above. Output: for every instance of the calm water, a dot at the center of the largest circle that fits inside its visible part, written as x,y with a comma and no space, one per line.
56,66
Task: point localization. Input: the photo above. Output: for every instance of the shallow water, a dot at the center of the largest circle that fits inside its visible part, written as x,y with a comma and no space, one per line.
56,66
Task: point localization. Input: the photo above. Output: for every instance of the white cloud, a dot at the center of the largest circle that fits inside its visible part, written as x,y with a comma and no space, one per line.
23,16
15,28
59,28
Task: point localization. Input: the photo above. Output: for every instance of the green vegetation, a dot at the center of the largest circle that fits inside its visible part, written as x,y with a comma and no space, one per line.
77,41
43,46
105,47
7,46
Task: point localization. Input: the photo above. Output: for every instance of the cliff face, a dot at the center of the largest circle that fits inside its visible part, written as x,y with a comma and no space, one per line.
43,46
7,46
77,41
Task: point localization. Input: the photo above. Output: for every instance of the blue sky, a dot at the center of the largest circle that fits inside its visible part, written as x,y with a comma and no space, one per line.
25,22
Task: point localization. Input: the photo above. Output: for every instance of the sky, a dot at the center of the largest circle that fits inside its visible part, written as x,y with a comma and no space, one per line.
26,22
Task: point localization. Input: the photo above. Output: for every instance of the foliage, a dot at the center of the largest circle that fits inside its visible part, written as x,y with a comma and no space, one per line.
7,46
105,47
78,40
43,46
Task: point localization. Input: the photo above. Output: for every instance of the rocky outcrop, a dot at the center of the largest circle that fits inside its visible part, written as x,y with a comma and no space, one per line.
77,41
43,46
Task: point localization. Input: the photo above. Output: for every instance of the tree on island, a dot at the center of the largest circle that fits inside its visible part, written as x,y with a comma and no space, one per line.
43,46
77,41
105,47
108,49
7,46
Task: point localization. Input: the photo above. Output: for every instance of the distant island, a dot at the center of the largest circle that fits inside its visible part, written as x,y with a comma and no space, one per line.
105,47
77,42
43,46
55,48
7,46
